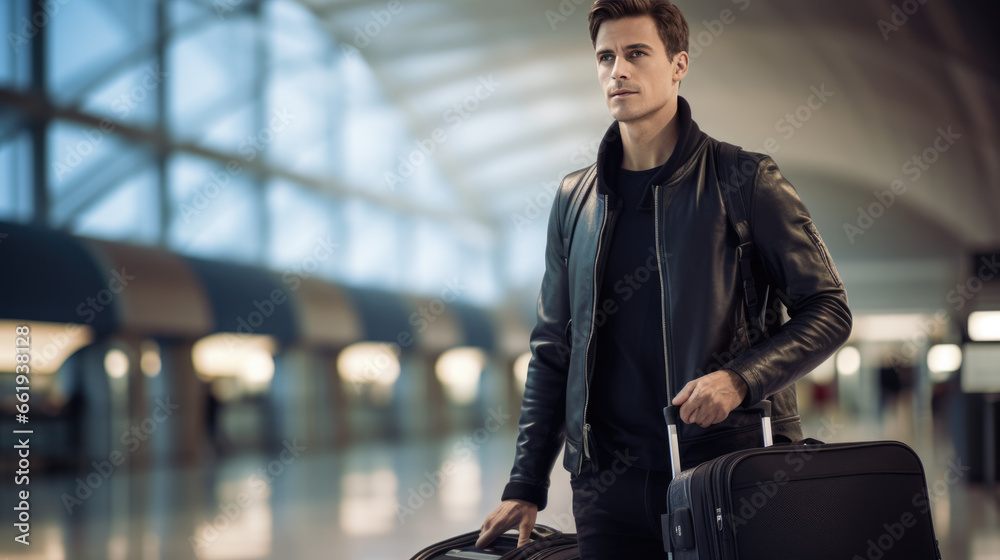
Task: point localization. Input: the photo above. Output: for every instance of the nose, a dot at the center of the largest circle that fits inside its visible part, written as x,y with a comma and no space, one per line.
620,69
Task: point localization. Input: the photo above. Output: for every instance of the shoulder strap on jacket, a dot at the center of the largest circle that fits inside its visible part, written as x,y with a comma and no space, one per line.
586,178
731,182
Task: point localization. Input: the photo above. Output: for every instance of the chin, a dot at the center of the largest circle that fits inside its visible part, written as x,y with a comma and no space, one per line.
628,115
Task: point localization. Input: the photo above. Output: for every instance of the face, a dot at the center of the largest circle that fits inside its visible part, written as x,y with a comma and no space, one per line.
637,76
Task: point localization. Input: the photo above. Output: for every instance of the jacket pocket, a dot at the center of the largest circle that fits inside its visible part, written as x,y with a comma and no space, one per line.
813,234
571,456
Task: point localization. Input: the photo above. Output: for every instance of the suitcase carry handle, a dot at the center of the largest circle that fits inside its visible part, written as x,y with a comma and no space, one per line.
670,414
764,407
543,531
538,532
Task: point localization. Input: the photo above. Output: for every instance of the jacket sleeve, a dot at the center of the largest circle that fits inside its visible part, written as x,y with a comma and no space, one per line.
541,427
803,276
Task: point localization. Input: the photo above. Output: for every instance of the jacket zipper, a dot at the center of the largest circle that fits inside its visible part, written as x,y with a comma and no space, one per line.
590,337
663,286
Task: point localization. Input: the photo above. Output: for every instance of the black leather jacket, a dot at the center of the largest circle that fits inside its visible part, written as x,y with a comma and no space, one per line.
703,316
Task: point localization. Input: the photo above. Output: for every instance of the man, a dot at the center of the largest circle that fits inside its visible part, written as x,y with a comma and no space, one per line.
642,282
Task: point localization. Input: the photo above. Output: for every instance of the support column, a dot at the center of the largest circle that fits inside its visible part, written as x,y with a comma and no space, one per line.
439,407
185,430
339,413
39,125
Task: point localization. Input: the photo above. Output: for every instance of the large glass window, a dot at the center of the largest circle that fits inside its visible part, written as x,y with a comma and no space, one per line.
240,131
81,155
434,256
523,250
92,43
127,213
214,66
15,172
15,59
102,185
373,253
371,134
218,210
479,272
306,239
304,91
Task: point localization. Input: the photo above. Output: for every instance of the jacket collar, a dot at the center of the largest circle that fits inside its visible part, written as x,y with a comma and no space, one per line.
610,154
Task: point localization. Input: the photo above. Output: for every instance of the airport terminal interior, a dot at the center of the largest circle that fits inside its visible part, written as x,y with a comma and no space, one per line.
269,269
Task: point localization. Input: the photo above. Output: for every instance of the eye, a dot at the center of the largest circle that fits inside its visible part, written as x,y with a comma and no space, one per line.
605,57
635,54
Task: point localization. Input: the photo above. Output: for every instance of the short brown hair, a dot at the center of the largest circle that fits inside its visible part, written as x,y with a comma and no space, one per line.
669,20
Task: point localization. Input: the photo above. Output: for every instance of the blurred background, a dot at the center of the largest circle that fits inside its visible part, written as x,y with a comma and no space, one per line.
278,260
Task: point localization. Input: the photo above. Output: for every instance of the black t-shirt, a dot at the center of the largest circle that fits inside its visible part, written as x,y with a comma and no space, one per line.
628,387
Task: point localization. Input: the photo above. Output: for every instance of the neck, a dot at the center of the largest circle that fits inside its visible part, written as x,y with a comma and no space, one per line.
648,142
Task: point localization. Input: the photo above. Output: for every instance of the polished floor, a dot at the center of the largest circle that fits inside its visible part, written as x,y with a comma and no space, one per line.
381,501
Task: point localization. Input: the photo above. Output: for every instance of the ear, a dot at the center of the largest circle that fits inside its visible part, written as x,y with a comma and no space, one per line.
680,65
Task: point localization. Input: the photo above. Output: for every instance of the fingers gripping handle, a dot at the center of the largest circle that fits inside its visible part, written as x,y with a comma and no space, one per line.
670,414
764,407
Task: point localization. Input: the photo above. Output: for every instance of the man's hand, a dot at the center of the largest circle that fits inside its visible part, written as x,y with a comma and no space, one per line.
709,400
510,513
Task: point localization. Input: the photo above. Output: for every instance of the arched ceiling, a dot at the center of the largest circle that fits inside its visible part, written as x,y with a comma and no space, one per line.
891,93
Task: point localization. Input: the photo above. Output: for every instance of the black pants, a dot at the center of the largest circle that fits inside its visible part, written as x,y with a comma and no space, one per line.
618,510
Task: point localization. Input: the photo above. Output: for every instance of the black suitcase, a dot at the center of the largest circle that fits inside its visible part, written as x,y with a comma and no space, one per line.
546,543
843,501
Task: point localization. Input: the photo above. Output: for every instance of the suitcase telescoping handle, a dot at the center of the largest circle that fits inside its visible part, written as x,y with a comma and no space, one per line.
670,414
